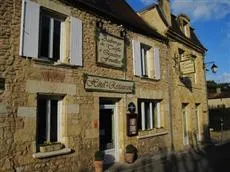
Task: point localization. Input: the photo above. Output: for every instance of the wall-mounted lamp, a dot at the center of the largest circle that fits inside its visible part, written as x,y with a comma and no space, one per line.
213,67
123,33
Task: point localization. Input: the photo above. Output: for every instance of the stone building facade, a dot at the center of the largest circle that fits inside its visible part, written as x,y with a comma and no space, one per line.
188,95
79,76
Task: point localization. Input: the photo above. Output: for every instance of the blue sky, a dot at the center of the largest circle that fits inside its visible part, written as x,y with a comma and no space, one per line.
211,20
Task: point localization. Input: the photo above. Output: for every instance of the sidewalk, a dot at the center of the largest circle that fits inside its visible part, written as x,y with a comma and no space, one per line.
189,161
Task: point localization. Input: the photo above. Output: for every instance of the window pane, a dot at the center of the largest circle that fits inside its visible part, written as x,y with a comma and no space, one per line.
56,40
143,61
147,117
45,29
41,122
54,121
139,115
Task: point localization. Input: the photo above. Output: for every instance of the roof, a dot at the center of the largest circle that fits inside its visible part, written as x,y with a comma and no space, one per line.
175,28
193,38
122,13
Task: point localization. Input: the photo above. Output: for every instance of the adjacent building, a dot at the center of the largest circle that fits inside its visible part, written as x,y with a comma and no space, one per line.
188,99
81,76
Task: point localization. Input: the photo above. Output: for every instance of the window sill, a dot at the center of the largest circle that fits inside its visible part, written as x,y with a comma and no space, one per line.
50,154
152,133
147,78
53,63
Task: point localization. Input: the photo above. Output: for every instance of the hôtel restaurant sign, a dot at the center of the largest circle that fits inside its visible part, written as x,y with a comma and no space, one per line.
98,83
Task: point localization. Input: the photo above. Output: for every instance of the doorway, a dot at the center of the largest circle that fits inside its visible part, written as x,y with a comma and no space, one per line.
108,131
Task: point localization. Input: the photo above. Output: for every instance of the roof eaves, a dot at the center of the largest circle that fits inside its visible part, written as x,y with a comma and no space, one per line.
147,8
145,31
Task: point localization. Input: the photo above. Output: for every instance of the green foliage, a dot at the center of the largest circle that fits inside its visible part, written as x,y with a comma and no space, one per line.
131,149
99,156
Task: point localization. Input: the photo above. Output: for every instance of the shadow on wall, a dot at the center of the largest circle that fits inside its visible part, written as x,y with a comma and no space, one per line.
187,82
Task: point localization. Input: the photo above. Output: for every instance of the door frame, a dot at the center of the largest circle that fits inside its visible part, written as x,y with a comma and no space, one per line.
114,107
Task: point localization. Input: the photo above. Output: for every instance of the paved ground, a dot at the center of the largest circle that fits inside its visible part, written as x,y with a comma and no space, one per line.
213,158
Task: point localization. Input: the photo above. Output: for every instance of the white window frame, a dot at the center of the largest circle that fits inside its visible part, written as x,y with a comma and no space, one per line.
197,113
185,126
48,100
70,34
154,114
53,17
144,60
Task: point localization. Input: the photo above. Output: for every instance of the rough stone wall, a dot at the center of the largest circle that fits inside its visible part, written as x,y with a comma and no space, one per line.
25,77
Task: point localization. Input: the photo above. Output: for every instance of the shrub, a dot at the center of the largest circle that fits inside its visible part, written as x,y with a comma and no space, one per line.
99,156
131,149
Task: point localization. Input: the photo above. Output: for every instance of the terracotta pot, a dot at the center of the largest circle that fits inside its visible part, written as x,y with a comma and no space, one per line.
98,166
129,157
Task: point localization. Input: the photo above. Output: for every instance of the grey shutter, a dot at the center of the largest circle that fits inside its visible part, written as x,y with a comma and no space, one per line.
76,42
29,29
157,63
136,58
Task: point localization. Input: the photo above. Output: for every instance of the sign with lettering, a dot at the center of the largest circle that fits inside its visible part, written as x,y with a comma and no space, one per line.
132,127
110,50
97,83
187,66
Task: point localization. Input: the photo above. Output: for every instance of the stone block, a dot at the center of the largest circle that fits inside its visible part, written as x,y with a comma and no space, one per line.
3,109
72,109
27,111
91,133
35,86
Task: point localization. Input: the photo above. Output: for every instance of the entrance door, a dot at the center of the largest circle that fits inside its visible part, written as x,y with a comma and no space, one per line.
107,132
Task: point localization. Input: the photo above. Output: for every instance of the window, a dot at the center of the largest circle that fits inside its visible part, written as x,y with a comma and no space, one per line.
197,116
48,119
146,60
50,35
149,114
185,123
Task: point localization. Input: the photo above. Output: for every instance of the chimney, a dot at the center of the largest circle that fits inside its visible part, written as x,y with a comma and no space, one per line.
165,8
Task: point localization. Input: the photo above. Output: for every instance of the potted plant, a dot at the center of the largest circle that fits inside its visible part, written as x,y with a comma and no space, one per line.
130,153
98,161
50,146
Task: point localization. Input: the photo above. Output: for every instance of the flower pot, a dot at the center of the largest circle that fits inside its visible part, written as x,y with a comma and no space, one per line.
98,166
129,157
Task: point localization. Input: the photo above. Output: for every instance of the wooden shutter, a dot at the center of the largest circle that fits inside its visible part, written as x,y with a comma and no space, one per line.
157,63
76,42
29,29
136,58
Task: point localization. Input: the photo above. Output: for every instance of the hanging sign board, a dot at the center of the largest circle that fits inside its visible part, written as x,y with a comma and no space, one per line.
110,50
187,66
